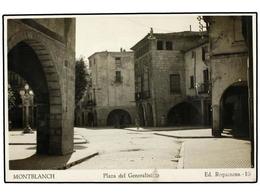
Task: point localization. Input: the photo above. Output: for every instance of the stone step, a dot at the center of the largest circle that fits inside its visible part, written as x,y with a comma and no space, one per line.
226,135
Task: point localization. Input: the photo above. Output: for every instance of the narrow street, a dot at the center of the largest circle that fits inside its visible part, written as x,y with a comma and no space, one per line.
125,149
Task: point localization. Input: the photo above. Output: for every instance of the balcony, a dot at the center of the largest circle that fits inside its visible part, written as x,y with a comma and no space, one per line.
203,88
142,95
89,103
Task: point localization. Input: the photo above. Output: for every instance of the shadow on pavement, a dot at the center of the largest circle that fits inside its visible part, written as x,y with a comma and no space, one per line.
39,162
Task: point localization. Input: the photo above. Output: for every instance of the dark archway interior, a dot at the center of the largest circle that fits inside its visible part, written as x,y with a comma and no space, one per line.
150,115
118,118
141,115
23,60
15,113
90,119
183,114
234,110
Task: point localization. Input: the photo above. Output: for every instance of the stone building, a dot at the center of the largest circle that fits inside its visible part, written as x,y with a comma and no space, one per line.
231,72
113,88
42,52
163,67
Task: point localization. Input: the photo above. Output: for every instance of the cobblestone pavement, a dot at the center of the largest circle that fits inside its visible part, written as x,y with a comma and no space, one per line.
124,149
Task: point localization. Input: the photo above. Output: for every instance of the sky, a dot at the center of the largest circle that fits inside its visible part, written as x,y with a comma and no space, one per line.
112,32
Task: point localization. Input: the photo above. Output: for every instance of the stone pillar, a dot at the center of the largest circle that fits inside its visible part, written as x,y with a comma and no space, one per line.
42,128
216,129
202,112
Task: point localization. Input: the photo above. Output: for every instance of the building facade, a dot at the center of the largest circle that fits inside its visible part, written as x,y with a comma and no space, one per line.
229,54
198,81
162,64
113,88
42,52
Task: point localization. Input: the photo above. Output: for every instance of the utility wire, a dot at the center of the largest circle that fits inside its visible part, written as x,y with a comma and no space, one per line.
145,25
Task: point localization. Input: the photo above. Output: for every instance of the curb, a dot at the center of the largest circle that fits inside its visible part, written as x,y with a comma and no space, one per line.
76,162
84,142
180,164
184,137
167,129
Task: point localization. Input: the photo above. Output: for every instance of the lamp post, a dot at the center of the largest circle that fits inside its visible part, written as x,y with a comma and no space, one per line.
27,101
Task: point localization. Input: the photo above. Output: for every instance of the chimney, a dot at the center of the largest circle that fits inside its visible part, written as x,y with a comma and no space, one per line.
190,27
121,49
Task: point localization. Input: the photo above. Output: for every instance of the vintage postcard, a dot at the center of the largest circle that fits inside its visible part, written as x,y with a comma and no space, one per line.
145,97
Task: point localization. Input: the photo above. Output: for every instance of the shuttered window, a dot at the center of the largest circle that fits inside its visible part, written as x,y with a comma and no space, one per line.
175,86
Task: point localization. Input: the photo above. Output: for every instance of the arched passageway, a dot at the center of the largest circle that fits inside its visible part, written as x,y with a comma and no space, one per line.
149,115
234,110
119,118
90,119
141,116
183,114
31,60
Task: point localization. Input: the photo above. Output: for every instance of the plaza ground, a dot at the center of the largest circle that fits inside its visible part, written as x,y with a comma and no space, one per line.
131,148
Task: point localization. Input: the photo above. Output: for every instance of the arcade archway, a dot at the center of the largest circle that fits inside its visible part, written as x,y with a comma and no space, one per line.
32,61
119,118
149,115
141,115
90,119
234,110
183,114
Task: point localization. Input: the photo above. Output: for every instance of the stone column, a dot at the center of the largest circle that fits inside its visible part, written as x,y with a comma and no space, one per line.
202,112
216,131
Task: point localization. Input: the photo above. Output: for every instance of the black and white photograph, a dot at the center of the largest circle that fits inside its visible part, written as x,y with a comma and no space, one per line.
140,97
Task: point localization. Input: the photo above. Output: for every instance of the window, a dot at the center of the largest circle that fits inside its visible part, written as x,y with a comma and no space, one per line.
175,83
118,78
146,89
168,45
138,84
206,76
204,50
118,61
237,29
159,45
191,82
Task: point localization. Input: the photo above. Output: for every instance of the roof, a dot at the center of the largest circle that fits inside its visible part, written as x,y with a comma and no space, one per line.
110,52
171,36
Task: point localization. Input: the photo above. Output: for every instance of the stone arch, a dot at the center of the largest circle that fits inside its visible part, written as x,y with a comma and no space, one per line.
49,107
234,116
141,115
118,118
149,115
91,119
183,113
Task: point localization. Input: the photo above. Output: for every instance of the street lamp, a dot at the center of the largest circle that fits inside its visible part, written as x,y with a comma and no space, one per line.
27,101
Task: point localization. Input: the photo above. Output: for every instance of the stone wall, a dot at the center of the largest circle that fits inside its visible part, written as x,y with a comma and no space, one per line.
165,63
